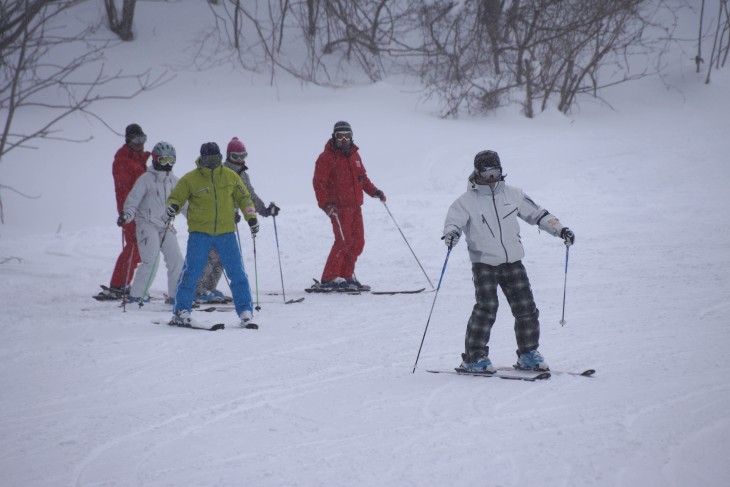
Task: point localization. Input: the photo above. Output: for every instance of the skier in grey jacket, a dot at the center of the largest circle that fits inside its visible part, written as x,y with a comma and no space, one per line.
207,291
146,204
487,215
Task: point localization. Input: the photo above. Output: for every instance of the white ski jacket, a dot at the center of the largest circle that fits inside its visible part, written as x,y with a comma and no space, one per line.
488,218
148,199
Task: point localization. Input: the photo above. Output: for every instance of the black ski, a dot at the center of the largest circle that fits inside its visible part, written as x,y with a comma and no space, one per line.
316,289
501,374
414,291
585,373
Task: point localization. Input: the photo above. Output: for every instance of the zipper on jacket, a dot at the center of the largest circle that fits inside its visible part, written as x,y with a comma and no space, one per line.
487,224
215,199
501,241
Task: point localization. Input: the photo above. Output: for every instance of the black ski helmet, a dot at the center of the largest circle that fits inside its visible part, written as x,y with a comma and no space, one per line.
210,149
133,130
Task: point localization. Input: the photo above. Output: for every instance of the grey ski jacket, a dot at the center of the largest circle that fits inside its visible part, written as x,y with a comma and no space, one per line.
241,171
488,218
148,199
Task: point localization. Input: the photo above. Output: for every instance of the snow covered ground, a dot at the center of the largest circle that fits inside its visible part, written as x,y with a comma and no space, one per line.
322,394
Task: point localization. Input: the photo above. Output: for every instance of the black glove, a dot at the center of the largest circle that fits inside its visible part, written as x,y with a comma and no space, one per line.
567,235
237,217
123,219
330,209
380,195
171,211
253,225
451,238
272,209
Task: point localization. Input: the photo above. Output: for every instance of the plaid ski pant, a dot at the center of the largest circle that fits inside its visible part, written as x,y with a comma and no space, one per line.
512,278
211,274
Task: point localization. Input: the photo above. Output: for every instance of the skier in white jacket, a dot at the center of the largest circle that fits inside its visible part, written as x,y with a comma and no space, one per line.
487,215
146,204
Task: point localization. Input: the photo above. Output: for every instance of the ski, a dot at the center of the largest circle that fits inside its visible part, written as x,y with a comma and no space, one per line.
316,289
390,293
585,373
333,291
291,301
535,376
215,327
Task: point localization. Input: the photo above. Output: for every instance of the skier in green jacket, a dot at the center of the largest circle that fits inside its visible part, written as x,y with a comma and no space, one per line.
212,192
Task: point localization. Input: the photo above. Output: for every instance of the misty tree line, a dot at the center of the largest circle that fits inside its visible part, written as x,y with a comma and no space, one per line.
473,56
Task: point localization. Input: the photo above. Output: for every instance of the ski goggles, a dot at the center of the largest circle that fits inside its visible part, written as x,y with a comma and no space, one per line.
138,139
237,156
491,172
343,136
211,161
166,160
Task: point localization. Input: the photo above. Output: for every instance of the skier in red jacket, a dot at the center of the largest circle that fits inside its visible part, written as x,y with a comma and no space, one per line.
130,162
339,182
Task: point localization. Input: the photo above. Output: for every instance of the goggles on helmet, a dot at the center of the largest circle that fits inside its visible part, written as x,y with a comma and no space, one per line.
138,139
490,172
343,136
237,156
166,160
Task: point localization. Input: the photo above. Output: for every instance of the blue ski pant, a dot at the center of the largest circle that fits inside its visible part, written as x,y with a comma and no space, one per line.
199,247
512,278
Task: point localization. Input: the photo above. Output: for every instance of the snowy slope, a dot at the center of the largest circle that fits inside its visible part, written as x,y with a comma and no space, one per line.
323,394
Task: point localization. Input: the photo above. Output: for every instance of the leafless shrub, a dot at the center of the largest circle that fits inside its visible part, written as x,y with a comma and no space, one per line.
37,75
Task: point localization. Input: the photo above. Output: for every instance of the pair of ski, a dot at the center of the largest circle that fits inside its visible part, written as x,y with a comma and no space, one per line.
316,288
511,373
214,327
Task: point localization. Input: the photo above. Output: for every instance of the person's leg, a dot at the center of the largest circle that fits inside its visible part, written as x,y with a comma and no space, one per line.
128,259
516,288
211,274
484,313
230,256
173,261
352,227
337,255
199,245
148,244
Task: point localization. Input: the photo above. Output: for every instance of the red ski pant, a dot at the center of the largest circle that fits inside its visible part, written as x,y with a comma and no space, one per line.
344,254
129,258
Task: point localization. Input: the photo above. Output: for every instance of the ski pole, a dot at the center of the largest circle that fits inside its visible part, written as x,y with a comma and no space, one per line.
278,254
153,271
565,282
448,252
344,242
409,245
125,294
255,272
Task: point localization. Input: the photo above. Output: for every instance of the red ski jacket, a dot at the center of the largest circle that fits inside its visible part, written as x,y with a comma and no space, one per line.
127,167
341,179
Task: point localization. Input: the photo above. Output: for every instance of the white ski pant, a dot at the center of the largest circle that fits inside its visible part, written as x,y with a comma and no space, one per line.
148,241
